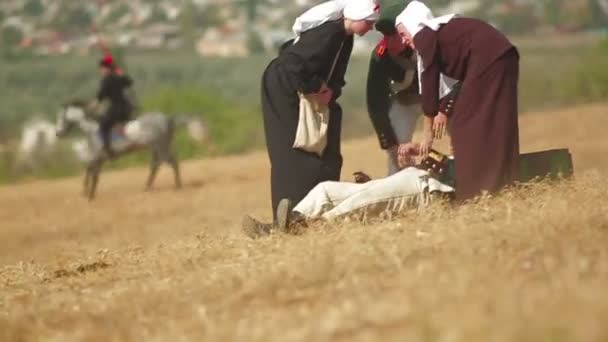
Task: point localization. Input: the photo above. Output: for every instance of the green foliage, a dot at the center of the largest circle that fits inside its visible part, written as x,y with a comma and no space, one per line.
525,18
254,43
33,8
233,129
11,36
589,80
79,18
599,17
74,19
60,162
520,21
226,92
433,3
602,47
193,19
552,11
158,15
117,13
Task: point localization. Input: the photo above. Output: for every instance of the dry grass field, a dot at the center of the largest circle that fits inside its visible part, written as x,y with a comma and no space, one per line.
528,265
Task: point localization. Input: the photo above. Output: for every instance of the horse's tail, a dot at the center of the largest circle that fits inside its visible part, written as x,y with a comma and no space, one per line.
196,126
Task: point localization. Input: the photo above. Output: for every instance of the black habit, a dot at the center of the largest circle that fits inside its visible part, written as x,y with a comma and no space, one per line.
303,67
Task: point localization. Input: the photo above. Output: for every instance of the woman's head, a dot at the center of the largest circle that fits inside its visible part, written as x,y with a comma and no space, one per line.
412,20
405,36
358,27
394,44
360,16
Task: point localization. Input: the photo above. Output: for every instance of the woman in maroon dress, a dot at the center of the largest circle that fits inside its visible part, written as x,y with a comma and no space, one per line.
484,125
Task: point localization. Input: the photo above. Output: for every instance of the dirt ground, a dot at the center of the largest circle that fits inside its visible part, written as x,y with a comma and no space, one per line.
528,265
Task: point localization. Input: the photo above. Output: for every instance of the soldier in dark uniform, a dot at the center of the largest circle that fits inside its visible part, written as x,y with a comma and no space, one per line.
393,98
114,87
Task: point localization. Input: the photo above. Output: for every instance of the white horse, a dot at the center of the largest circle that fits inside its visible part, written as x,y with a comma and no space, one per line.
153,131
38,140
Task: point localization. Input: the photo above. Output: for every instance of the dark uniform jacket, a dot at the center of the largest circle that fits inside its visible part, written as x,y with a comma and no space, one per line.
113,88
383,70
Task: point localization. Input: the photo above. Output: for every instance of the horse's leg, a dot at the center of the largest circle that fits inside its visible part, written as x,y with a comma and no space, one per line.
170,156
154,164
87,180
175,165
94,180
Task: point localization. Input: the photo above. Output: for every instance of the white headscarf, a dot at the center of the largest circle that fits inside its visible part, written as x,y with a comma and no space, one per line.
334,10
415,17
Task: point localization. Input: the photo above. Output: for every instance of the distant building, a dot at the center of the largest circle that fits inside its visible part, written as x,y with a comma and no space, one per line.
223,43
460,7
46,42
157,36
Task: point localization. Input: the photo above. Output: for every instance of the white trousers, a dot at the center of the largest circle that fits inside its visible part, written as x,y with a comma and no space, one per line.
408,188
403,120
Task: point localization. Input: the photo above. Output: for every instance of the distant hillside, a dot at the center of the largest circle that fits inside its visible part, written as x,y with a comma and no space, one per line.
237,27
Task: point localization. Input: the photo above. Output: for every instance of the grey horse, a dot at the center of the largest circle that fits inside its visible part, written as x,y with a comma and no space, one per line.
153,131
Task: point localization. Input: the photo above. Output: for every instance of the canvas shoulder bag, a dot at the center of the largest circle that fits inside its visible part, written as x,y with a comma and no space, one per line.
311,134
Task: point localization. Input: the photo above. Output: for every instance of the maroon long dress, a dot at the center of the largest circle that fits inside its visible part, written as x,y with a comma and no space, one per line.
484,126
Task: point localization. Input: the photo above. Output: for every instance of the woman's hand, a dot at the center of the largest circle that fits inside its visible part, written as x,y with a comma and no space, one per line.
361,177
406,153
325,95
427,144
440,125
427,137
408,149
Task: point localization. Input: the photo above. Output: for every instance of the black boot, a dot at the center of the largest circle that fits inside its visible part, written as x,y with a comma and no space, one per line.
107,144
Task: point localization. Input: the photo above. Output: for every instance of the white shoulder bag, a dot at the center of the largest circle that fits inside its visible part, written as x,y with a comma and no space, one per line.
311,134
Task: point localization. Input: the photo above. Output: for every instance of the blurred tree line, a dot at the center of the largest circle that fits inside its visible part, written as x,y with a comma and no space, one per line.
528,16
512,16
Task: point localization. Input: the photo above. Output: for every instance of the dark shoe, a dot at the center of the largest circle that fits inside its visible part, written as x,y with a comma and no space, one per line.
283,214
254,228
289,221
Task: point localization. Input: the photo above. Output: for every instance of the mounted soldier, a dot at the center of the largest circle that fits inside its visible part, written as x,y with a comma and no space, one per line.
114,89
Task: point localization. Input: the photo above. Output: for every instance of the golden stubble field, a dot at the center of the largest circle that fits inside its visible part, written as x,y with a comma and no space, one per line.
529,265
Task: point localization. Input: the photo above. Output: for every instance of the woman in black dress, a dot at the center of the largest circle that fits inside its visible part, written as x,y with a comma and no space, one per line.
325,34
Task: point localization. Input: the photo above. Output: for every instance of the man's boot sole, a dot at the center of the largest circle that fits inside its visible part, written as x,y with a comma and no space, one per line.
283,213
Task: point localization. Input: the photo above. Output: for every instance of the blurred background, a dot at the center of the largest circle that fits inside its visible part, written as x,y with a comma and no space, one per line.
206,57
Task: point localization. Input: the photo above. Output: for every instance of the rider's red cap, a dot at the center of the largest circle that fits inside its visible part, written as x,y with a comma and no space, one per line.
107,61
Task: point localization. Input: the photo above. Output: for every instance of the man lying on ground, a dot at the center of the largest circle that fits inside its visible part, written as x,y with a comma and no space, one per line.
407,189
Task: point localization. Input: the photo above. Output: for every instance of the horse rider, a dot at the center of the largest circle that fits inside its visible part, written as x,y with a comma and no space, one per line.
115,86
